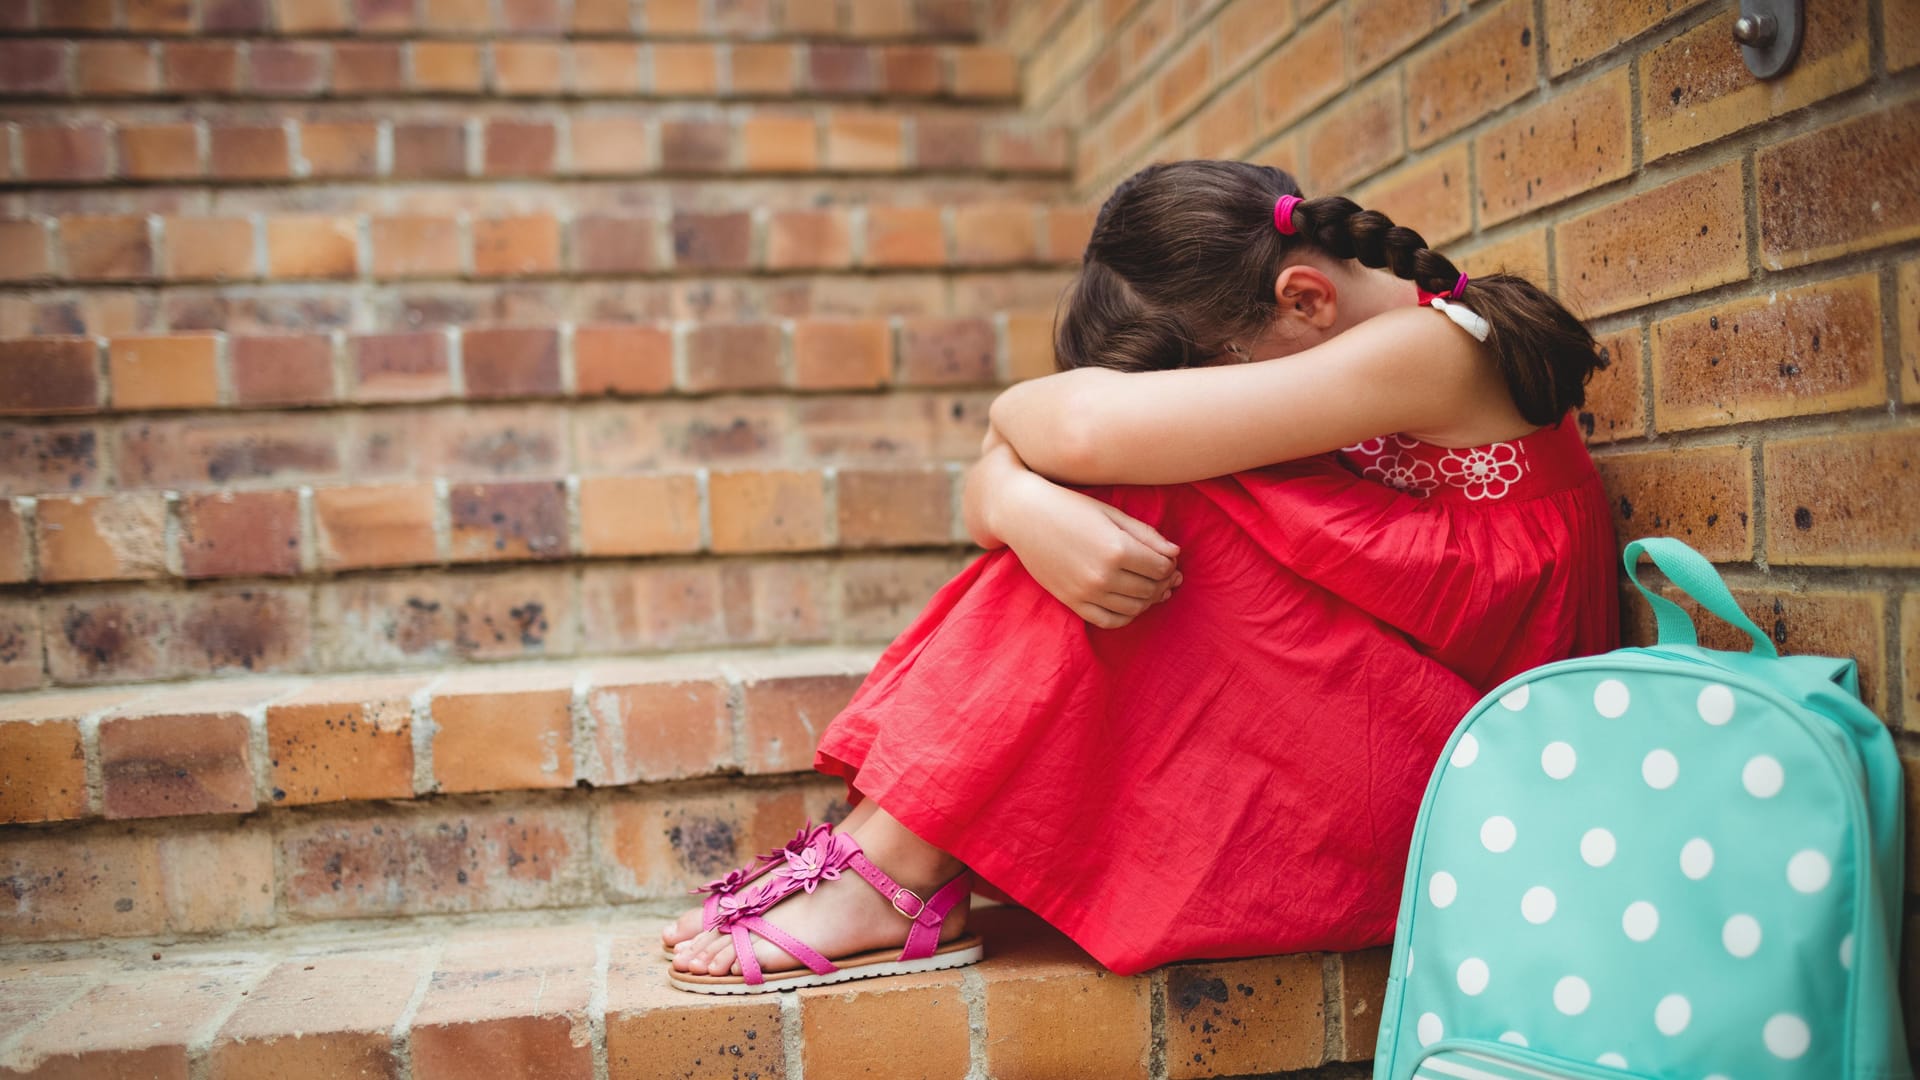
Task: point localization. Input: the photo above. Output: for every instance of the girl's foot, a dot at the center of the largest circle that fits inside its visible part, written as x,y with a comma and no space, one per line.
688,926
844,916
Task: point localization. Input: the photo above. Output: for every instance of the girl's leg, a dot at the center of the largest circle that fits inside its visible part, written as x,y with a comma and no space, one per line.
687,926
847,915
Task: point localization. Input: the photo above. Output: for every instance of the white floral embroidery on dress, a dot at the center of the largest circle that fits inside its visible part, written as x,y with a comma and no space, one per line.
1484,472
1404,473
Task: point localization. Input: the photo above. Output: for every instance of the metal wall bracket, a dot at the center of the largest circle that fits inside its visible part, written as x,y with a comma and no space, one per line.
1768,33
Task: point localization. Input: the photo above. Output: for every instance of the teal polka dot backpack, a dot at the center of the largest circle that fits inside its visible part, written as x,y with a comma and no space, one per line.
1667,862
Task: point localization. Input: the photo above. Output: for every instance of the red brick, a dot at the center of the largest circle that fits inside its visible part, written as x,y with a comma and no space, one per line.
209,249
511,520
125,1032
360,527
733,356
1037,980
457,16
1867,520
180,752
1363,991
341,150
522,998
618,359
1684,236
1846,187
500,441
115,68
639,515
519,148
160,151
399,367
768,510
695,145
1702,495
1029,345
1614,409
894,507
841,355
658,845
1358,136
233,534
993,73
294,68
450,67
48,457
1910,659
510,362
25,251
13,546
102,538
809,240
312,16
627,608
429,150
529,67
1245,1016
341,740
243,152
106,248
844,70
918,1018
1900,29
994,233
948,352
333,1014
654,1029
602,16
1908,319
1578,31
786,703
80,15
656,720
761,69
177,371
69,152
861,141
610,145
293,369
368,67
503,730
1027,148
613,245
609,68
1183,80
416,247
1568,144
951,142
721,241
200,67
777,143
904,236
33,68
49,375
1430,196
1489,63
22,646
686,69
187,452
531,16
41,757
516,246
313,248
1807,350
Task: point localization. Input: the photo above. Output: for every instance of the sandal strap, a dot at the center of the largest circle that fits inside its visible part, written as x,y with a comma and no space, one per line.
923,937
793,946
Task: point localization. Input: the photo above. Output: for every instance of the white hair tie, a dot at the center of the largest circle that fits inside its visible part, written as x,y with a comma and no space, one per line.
1470,321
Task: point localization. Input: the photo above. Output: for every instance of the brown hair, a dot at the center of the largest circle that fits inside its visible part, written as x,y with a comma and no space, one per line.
1183,257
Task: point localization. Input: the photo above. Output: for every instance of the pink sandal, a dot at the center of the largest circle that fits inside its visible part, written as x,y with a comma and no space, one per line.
737,880
739,909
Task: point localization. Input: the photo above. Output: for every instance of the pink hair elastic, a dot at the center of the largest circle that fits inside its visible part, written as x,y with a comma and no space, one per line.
1283,213
1459,287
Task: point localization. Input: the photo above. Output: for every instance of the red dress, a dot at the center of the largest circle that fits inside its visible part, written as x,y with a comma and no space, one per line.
1237,772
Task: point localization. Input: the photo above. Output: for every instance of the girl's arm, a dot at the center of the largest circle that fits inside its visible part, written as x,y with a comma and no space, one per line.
1104,565
1402,371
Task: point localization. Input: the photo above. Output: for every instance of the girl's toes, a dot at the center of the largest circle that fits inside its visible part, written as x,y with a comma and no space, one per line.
721,962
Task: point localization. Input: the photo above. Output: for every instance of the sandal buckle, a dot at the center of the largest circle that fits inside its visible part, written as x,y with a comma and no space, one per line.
919,905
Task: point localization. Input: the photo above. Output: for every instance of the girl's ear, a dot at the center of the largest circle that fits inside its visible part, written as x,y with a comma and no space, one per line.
1305,292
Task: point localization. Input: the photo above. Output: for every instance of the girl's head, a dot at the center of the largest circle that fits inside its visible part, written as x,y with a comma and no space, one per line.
1185,268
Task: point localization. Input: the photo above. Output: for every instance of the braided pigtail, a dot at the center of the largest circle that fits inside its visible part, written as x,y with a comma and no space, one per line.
1543,352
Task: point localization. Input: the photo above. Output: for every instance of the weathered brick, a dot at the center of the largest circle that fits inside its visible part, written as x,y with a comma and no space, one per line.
904,236
1363,992
639,515
949,142
14,568
1358,136
1808,350
312,248
525,994
1900,29
614,245
992,73
1703,495
175,371
948,352
610,68
1380,30
686,69
398,367
1846,187
1817,622
29,67
695,145
1578,31
602,16
531,16
328,1013
457,16
809,240
500,731
368,68
1228,125
160,151
25,251
230,534
774,510
733,356
499,441
654,1029
779,602
200,67
761,69
722,241
292,369
994,233
22,646
1038,981
841,355
1910,660
779,143
508,520
41,758
529,67
248,152
160,16
622,359
287,67
429,150
68,152
312,16
49,458
116,68
657,720
610,145
1180,82
80,15
1489,63
1245,1016
1029,345
651,608
449,67
343,739
167,452
181,752
1614,409
1870,519
1569,144
1430,196
516,246
209,249
918,1018
786,703
894,507
341,150
1694,89
120,1032
1686,235
1909,319
506,362
49,375
865,141
359,527
106,248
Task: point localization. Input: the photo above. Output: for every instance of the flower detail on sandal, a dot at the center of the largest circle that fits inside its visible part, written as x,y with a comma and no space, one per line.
721,889
808,867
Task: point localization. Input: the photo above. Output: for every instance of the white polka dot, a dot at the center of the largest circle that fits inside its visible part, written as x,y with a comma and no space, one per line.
1611,1061
1660,769
1515,699
1465,752
1430,1030
1741,935
1809,872
1557,760
1514,1038
1441,889
1715,704
1497,834
1787,1036
1610,698
1597,847
1537,904
1763,776
1472,976
1571,995
1696,858
1673,1014
1846,952
1641,920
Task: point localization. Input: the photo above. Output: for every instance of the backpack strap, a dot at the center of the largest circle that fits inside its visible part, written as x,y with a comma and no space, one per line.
1693,575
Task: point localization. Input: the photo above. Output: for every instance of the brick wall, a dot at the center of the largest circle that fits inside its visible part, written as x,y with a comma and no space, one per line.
1744,250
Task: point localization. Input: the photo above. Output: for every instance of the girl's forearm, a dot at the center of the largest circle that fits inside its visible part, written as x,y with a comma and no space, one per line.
987,484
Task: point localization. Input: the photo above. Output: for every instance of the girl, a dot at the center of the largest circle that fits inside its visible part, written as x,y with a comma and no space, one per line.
1232,768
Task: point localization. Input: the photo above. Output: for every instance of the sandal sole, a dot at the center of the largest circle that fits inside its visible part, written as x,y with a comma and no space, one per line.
959,952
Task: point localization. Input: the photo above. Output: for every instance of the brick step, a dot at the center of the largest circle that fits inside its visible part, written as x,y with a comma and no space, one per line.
514,998
282,69
65,146
939,20
379,247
